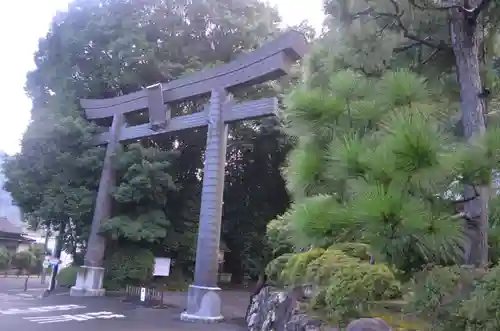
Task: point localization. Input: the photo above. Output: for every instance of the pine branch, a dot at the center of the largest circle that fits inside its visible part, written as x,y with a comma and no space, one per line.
430,7
406,33
407,47
428,58
473,13
397,19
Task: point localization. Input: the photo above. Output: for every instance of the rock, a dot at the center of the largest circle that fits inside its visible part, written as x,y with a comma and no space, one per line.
302,322
369,324
275,310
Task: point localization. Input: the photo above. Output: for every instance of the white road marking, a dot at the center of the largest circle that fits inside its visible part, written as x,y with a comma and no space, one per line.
24,295
77,318
45,309
14,297
29,289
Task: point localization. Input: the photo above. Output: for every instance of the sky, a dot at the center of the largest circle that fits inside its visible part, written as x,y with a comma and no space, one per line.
23,22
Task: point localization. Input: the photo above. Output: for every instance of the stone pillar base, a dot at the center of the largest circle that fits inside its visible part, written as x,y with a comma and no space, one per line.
203,305
88,282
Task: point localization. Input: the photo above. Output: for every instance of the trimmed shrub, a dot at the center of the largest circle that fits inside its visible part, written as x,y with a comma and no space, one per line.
129,266
357,250
23,261
38,251
294,272
322,269
481,310
66,277
353,289
439,293
274,270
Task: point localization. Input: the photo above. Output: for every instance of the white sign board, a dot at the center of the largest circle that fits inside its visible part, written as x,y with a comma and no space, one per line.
143,294
162,266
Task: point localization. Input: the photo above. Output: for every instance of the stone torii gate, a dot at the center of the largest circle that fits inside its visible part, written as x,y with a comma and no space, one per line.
269,62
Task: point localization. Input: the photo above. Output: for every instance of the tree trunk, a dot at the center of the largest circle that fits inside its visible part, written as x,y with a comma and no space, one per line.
466,39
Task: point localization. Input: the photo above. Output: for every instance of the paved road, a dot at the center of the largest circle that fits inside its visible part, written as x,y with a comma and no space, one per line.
26,310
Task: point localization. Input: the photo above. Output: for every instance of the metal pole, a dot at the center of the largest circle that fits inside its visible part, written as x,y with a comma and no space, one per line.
57,253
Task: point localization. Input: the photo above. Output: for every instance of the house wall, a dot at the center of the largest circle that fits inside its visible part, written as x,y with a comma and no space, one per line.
23,247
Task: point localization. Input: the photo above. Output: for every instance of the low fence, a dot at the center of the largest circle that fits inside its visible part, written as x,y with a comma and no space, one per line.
147,296
16,273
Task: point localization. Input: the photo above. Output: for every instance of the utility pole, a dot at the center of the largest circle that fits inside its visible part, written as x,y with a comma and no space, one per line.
57,255
45,250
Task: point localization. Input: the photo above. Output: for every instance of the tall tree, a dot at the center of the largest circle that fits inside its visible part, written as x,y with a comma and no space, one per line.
100,49
437,39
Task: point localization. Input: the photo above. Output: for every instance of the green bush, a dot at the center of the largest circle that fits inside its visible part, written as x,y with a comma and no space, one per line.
5,258
129,266
482,310
66,277
358,250
294,271
322,269
345,286
439,293
354,289
39,253
274,270
24,261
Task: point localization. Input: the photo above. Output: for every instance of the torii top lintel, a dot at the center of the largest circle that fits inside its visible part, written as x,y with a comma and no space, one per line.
270,61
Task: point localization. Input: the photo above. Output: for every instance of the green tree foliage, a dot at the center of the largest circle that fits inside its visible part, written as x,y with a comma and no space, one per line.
375,163
451,44
54,178
23,261
480,311
141,195
39,253
100,49
439,294
129,266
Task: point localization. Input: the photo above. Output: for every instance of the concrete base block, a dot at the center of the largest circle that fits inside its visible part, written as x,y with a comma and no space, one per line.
203,305
89,282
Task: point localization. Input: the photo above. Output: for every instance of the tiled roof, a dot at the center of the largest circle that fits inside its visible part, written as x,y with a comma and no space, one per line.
7,227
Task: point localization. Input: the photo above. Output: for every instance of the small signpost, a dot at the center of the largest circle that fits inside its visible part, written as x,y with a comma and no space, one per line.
143,294
53,263
46,264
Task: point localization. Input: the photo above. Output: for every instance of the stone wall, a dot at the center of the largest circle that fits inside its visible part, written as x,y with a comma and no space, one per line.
272,309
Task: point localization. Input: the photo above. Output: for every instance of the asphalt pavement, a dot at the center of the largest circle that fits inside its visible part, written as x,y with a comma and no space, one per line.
60,312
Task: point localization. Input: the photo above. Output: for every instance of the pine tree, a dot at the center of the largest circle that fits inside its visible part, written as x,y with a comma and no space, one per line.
452,43
377,162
